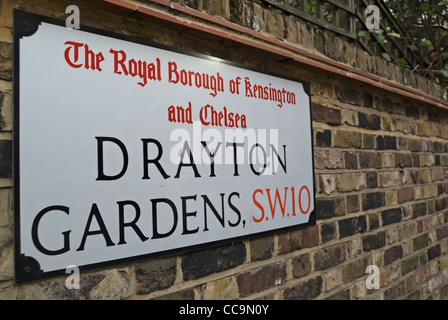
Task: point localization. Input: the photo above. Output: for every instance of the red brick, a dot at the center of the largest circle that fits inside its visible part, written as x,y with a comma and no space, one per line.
329,257
262,278
310,236
288,242
442,233
306,290
301,265
419,226
393,254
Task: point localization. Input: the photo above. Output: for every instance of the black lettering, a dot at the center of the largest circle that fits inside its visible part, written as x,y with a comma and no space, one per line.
155,232
191,164
251,160
35,234
94,212
210,205
283,164
212,157
186,214
235,161
155,161
231,205
132,224
101,175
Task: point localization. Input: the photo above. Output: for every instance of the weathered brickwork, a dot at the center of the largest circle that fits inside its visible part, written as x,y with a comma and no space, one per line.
386,198
381,181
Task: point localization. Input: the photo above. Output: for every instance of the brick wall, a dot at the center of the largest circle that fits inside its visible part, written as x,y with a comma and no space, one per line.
380,171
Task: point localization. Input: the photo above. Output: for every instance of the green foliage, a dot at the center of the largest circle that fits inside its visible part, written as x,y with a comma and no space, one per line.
425,43
387,56
425,33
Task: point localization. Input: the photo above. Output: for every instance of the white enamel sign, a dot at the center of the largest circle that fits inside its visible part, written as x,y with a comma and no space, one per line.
126,149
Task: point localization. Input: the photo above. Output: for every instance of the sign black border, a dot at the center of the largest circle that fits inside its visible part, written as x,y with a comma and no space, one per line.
27,268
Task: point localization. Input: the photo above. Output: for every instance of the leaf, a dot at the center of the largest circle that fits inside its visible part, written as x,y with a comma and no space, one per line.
402,62
377,31
445,73
413,47
387,57
424,7
381,38
425,43
394,34
362,33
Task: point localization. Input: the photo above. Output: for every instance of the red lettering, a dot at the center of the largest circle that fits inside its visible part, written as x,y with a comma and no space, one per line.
209,116
142,72
192,78
293,202
75,46
258,205
231,124
248,88
91,60
155,69
203,115
300,200
277,196
270,93
281,202
119,62
237,118
95,59
132,67
172,70
142,69
183,77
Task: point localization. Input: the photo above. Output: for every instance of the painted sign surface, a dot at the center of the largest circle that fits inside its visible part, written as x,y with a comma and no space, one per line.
127,149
